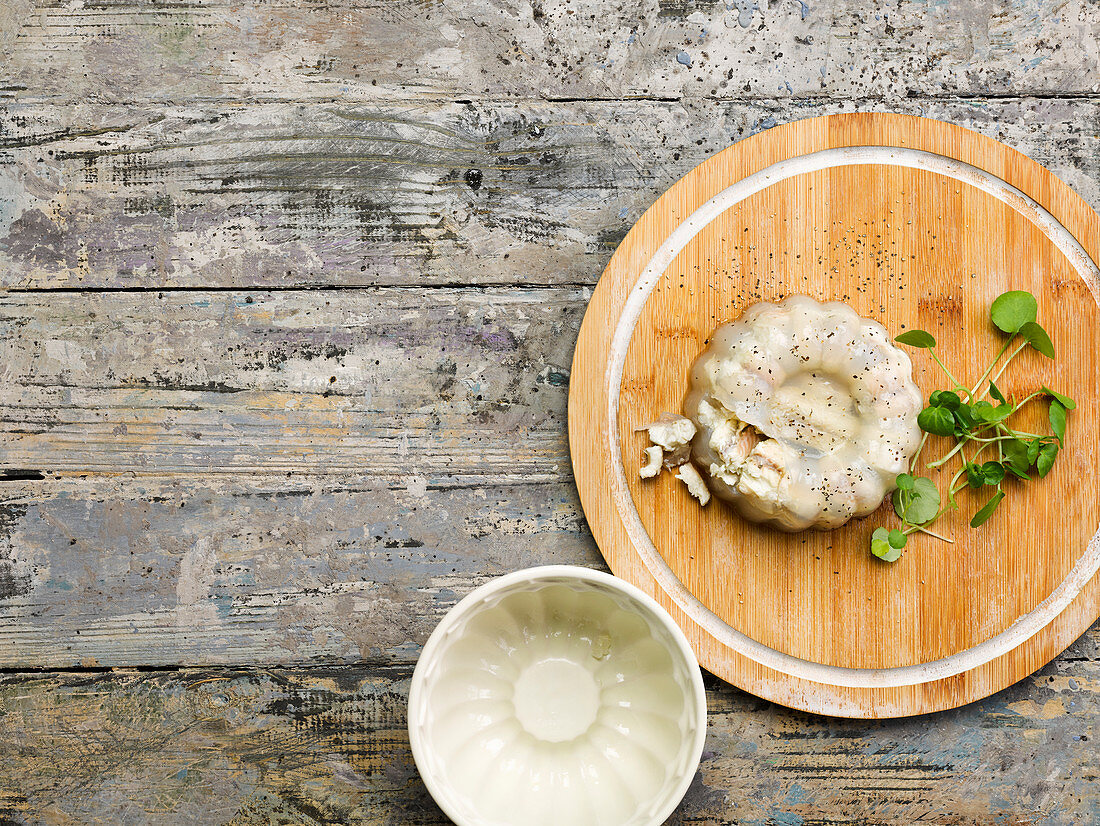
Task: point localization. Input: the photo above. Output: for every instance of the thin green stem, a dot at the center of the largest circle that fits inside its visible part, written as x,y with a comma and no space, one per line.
1000,458
911,529
1007,360
938,536
949,454
935,358
920,447
1003,438
960,472
1016,434
989,369
1034,395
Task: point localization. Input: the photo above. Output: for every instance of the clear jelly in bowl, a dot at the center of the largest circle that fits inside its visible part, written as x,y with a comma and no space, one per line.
557,695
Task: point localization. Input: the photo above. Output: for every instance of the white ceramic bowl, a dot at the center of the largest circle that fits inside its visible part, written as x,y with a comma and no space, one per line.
557,696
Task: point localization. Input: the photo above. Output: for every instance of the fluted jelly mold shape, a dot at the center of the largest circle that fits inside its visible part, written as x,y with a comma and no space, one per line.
557,695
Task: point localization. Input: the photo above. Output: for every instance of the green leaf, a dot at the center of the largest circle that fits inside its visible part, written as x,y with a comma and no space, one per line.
1012,310
1057,416
881,547
993,473
904,481
987,509
900,498
916,338
945,398
920,505
1033,451
995,392
897,539
988,413
936,420
1065,401
1015,452
1037,337
964,415
1016,461
974,476
1047,454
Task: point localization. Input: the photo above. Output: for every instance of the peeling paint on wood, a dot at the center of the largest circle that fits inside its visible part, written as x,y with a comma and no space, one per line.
343,195
217,449
327,745
380,382
260,570
253,50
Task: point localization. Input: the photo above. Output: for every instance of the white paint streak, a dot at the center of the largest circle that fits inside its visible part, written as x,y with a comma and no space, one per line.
196,569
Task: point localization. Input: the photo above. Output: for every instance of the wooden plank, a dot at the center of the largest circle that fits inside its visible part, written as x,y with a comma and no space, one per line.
434,193
329,745
274,477
372,382
259,569
253,50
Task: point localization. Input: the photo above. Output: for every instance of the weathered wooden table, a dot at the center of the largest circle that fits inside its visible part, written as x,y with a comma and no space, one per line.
290,296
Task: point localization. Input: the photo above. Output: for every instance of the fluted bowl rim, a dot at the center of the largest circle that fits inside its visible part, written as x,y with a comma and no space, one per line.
481,598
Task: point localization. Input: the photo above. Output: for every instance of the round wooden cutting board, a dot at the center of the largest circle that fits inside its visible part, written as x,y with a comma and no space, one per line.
915,223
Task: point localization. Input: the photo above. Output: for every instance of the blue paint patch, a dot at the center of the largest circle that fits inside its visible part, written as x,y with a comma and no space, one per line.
623,212
630,40
795,794
407,649
223,605
764,123
181,774
786,818
683,58
805,8
745,10
59,585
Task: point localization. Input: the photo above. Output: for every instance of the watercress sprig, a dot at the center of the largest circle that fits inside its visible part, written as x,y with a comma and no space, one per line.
977,425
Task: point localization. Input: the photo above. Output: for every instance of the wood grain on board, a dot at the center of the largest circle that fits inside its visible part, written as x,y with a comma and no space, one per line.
910,248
